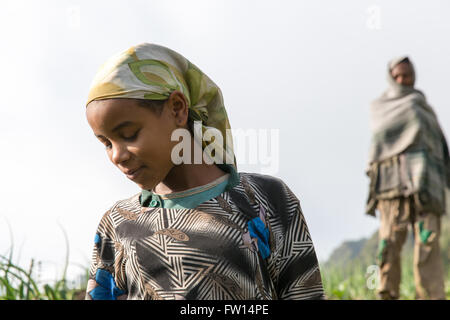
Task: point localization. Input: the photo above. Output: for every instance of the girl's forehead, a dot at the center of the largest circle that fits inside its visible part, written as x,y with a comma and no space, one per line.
113,107
106,114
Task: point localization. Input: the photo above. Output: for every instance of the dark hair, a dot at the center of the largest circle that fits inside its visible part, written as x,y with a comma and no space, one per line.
405,60
157,106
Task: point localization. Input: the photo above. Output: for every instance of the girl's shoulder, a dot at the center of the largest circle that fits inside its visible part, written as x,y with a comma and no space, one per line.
128,208
268,187
268,184
131,203
262,180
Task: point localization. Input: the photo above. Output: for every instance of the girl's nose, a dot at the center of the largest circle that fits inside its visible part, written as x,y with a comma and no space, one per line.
119,154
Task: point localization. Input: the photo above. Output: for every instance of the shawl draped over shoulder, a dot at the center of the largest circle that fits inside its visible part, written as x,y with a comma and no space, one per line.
408,153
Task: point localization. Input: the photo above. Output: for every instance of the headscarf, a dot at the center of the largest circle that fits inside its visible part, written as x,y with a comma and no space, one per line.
408,152
150,71
392,83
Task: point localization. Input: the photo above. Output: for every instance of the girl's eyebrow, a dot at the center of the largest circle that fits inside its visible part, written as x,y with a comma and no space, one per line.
118,127
121,125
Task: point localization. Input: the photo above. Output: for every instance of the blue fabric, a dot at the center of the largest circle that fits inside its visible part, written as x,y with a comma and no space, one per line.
106,289
97,239
259,231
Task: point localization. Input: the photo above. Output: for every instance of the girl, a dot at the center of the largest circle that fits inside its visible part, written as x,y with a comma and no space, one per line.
198,229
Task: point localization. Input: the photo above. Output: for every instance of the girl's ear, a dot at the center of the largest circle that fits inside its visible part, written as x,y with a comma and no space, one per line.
179,108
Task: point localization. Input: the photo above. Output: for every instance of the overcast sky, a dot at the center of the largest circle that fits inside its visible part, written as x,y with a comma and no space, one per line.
306,68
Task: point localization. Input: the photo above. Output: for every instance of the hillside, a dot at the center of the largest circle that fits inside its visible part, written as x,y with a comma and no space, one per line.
346,274
364,250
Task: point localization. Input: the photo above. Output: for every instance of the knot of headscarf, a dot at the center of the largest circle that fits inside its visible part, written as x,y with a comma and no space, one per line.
149,71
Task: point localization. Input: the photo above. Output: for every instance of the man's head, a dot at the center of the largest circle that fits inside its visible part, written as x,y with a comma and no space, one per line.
403,73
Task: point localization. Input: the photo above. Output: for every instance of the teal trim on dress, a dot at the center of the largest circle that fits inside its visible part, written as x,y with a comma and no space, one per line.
234,179
189,199
190,202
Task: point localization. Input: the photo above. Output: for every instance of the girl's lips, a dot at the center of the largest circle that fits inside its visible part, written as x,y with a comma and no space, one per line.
133,175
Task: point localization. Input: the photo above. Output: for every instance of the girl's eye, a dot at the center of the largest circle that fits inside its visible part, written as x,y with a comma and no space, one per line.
106,143
131,138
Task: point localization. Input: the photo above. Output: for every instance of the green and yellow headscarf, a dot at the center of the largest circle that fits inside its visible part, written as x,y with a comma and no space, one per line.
150,71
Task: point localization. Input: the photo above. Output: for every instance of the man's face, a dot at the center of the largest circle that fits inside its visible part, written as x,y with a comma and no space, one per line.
137,140
403,74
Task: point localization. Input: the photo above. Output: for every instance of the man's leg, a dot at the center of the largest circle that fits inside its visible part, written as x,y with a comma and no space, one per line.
394,220
428,267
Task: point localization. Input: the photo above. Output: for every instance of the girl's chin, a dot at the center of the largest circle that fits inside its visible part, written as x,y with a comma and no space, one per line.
146,186
147,181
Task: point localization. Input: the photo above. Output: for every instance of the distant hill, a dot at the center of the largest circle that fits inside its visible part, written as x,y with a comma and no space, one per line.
364,251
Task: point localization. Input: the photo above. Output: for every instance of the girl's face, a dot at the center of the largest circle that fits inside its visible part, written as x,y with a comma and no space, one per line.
138,140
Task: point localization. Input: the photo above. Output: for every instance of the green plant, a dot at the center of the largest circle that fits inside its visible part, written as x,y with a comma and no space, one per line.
16,283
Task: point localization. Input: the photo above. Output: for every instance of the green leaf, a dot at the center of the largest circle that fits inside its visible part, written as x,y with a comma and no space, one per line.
49,292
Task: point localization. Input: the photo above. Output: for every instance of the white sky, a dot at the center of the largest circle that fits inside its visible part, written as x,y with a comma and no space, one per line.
307,68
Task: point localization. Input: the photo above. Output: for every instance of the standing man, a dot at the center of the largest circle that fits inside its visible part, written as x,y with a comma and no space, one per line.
409,170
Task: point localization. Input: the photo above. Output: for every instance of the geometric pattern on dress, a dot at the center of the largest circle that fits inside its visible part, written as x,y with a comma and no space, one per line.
208,252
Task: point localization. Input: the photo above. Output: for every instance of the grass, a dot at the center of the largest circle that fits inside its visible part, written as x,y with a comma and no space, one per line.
350,282
346,276
18,283
354,282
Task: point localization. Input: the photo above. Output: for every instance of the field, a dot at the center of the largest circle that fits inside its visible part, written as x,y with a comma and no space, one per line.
357,282
19,283
346,275
349,274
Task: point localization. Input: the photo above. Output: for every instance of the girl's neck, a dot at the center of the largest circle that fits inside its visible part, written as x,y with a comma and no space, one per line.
187,176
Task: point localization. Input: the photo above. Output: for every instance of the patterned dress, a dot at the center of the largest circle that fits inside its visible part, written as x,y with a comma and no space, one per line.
250,242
